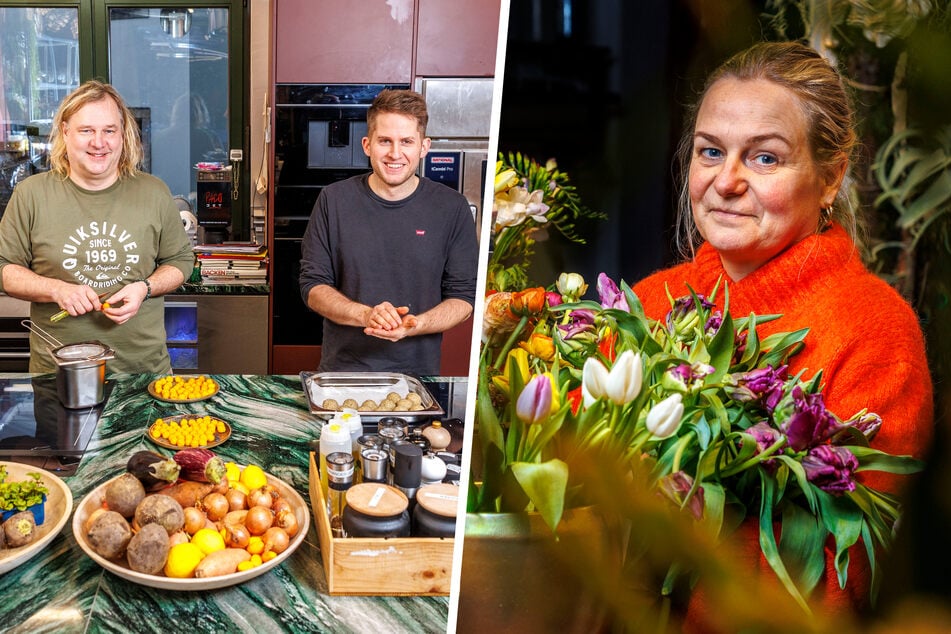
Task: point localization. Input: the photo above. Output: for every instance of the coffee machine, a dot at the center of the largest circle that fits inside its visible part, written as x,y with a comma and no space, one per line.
213,202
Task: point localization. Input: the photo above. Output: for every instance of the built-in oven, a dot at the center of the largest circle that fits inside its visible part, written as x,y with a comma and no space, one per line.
318,132
14,337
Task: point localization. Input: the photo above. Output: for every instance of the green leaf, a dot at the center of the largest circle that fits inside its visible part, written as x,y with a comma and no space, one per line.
493,447
721,349
876,460
844,519
767,539
714,503
795,467
782,346
544,484
801,544
934,198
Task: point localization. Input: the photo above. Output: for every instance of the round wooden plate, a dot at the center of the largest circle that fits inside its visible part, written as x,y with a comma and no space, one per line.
161,442
158,396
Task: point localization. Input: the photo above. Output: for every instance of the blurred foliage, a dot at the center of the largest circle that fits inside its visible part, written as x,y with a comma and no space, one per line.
894,56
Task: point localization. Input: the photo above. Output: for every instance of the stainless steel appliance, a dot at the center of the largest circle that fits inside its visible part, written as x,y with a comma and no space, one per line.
14,338
35,427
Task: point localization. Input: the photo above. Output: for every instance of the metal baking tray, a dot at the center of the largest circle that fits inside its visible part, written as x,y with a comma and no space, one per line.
362,386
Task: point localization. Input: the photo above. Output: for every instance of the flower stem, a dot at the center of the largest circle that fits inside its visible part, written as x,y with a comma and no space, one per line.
499,360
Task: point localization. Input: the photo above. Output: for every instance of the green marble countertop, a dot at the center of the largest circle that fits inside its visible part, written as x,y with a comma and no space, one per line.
63,590
209,288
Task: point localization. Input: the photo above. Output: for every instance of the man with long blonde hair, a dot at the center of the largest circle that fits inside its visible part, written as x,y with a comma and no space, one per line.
95,237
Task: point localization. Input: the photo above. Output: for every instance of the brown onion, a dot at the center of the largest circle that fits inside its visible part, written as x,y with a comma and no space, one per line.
237,500
236,536
259,519
261,497
194,519
280,504
287,520
276,539
215,506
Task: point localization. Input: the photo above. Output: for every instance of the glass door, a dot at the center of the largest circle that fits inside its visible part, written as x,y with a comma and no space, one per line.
182,67
39,65
172,64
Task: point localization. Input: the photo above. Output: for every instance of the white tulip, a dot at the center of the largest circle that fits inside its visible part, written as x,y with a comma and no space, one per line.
663,420
620,385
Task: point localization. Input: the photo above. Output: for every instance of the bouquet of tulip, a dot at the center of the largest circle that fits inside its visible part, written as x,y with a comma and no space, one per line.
528,198
698,405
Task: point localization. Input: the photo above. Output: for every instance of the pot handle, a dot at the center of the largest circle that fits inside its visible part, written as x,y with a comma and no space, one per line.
42,334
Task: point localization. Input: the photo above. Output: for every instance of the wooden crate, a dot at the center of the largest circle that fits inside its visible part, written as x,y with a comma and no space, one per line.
376,566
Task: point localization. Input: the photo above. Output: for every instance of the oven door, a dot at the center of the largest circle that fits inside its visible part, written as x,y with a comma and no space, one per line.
14,337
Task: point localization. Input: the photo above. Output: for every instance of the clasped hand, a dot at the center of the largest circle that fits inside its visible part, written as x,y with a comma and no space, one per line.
386,321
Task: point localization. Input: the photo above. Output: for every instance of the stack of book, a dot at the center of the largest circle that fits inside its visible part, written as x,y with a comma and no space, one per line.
233,262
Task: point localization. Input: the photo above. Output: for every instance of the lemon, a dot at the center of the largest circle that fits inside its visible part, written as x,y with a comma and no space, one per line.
232,472
182,560
253,477
208,540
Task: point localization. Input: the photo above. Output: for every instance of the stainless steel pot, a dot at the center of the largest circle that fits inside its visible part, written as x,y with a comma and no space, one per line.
80,369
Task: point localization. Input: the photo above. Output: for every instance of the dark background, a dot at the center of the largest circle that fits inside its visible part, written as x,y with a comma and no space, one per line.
599,85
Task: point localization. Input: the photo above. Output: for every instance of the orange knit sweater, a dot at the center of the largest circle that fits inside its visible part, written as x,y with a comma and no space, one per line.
863,336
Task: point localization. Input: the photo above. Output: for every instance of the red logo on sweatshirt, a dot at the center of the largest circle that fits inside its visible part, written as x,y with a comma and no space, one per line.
420,232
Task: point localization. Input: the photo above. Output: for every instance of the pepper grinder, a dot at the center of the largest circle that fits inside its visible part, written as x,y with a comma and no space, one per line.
407,470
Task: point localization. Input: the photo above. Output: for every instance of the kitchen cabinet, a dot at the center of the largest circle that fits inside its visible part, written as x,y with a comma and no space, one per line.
342,41
231,336
457,38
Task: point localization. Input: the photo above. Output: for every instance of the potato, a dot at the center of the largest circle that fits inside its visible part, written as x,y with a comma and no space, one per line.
350,403
19,529
109,535
148,549
330,403
221,562
386,405
415,398
124,494
160,509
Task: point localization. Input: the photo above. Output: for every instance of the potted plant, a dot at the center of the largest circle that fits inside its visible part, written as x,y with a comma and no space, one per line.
22,496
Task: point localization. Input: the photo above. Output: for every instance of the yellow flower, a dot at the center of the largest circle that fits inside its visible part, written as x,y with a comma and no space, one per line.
504,179
540,346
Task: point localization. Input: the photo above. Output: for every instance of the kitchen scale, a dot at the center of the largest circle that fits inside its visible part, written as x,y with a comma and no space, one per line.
36,429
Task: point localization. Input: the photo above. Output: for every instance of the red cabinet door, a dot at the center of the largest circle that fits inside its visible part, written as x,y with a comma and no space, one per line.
343,41
457,38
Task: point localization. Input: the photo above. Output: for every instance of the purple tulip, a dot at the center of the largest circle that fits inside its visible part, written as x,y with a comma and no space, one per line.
766,436
685,377
534,403
610,295
763,386
713,323
810,423
683,318
581,320
676,486
831,468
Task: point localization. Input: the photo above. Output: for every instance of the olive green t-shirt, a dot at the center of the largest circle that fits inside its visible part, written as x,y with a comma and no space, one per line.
104,239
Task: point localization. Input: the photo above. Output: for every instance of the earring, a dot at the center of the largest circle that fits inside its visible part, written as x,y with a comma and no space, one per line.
825,217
